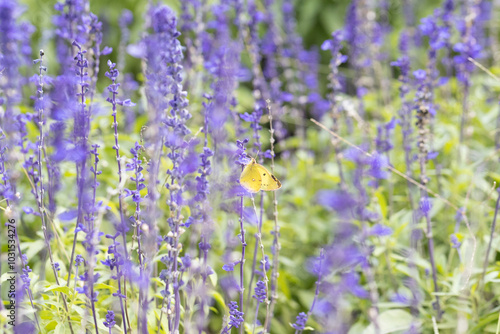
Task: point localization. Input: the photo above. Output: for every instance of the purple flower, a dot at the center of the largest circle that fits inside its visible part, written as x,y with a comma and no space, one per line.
400,298
29,210
222,61
420,74
432,155
300,323
205,170
425,205
338,200
25,277
229,266
10,60
260,292
112,74
351,282
455,242
242,158
110,319
438,35
235,316
384,136
380,230
116,262
378,165
79,260
266,262
459,216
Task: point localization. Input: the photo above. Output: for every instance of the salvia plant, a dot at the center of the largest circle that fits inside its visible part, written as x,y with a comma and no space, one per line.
125,127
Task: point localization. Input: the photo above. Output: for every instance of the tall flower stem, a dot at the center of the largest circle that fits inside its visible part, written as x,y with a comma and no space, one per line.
113,263
405,114
91,237
204,207
80,133
138,178
113,90
242,261
276,243
256,248
263,261
242,159
423,98
430,242
40,192
422,121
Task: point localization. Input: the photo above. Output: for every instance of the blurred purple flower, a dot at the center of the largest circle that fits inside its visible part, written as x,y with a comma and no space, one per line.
79,260
351,282
420,74
338,200
432,155
400,298
455,242
380,230
378,165
425,205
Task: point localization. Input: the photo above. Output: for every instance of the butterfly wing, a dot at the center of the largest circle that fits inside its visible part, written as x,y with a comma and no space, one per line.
269,181
250,178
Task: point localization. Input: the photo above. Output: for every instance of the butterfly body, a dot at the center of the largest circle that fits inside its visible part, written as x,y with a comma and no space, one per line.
255,177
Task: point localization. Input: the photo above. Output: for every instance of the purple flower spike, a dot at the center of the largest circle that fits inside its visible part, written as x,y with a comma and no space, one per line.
378,165
300,323
425,205
235,316
110,320
380,230
260,292
455,242
79,260
229,267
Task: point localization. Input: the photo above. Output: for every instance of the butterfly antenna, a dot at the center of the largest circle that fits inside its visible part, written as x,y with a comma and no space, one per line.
257,155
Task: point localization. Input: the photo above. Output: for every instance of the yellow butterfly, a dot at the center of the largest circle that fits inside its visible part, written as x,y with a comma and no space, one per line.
255,177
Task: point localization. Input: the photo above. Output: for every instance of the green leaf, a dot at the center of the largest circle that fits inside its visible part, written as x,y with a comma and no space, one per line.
100,286
219,299
34,248
60,328
64,289
382,202
391,321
